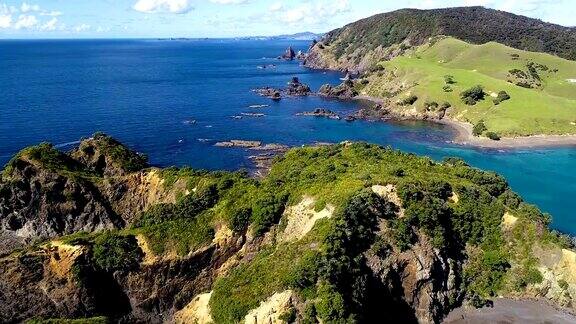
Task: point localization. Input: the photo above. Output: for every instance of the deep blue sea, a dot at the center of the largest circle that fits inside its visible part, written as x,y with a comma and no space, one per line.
146,92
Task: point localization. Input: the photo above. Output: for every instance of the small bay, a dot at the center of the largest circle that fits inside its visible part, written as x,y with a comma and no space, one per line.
173,100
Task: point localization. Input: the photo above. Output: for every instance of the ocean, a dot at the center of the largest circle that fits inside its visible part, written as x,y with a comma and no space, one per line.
173,99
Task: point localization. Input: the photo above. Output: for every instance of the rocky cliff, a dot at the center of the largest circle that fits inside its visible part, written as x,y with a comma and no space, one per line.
339,233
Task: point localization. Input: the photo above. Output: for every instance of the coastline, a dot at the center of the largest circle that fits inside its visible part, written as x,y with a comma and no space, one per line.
463,134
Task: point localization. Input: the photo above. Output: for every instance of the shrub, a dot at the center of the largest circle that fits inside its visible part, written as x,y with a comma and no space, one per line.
433,105
479,128
473,95
447,88
445,105
330,305
493,136
409,101
449,79
502,96
112,252
267,211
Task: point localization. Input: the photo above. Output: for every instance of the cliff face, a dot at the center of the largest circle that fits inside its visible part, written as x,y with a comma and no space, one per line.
359,45
317,240
45,193
36,202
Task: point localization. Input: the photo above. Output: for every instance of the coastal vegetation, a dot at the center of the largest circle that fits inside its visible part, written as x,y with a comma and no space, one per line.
379,207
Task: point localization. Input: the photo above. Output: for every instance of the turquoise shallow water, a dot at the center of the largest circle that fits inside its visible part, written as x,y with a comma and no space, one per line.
144,92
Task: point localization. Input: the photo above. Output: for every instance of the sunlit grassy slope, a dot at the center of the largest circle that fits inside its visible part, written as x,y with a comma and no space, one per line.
549,108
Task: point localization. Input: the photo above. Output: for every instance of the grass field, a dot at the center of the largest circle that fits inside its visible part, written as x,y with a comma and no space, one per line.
549,108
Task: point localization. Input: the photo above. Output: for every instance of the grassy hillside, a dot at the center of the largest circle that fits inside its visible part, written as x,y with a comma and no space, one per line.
475,25
542,101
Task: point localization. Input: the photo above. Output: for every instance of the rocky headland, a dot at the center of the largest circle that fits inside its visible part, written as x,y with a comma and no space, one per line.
101,235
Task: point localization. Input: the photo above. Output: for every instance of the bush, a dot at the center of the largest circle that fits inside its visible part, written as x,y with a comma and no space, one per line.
447,88
502,96
449,79
493,136
431,105
267,211
446,105
112,252
473,95
409,101
479,128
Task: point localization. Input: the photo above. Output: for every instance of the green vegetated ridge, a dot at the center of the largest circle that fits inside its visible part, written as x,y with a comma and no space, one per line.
475,25
327,268
421,62
539,96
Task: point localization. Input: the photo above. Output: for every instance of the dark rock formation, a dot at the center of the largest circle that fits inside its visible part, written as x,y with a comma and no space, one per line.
321,112
289,54
269,92
343,91
45,193
421,283
296,88
38,202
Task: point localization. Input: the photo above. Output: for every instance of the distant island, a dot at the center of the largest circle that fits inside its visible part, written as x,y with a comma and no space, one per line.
303,36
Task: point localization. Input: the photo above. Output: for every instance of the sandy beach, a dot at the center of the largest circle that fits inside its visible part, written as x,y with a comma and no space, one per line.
507,310
464,136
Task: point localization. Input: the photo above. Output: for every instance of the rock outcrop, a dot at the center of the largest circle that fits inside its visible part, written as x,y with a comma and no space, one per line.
294,89
37,201
343,91
320,112
289,54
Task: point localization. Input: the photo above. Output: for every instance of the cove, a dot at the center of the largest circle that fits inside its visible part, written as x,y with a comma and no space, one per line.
174,99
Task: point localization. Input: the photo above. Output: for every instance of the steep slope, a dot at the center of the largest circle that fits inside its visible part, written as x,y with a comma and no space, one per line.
542,99
358,45
101,185
340,233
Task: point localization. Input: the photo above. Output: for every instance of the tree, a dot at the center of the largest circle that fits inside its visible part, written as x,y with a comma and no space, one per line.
473,95
479,128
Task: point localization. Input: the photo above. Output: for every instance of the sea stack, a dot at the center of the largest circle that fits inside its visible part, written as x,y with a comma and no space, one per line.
289,54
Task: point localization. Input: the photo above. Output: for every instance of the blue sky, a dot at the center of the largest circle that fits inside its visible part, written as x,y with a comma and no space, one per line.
224,18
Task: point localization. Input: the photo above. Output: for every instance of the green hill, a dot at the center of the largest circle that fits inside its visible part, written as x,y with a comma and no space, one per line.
388,34
542,100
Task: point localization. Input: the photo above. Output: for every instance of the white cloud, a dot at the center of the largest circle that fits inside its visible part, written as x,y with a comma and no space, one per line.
51,13
25,22
5,21
276,7
228,1
25,7
81,28
50,25
163,6
311,13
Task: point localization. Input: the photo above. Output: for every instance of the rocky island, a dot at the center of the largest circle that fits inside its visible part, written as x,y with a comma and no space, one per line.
294,89
332,233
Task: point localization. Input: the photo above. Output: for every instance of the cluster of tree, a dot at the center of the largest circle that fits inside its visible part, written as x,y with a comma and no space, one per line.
473,95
